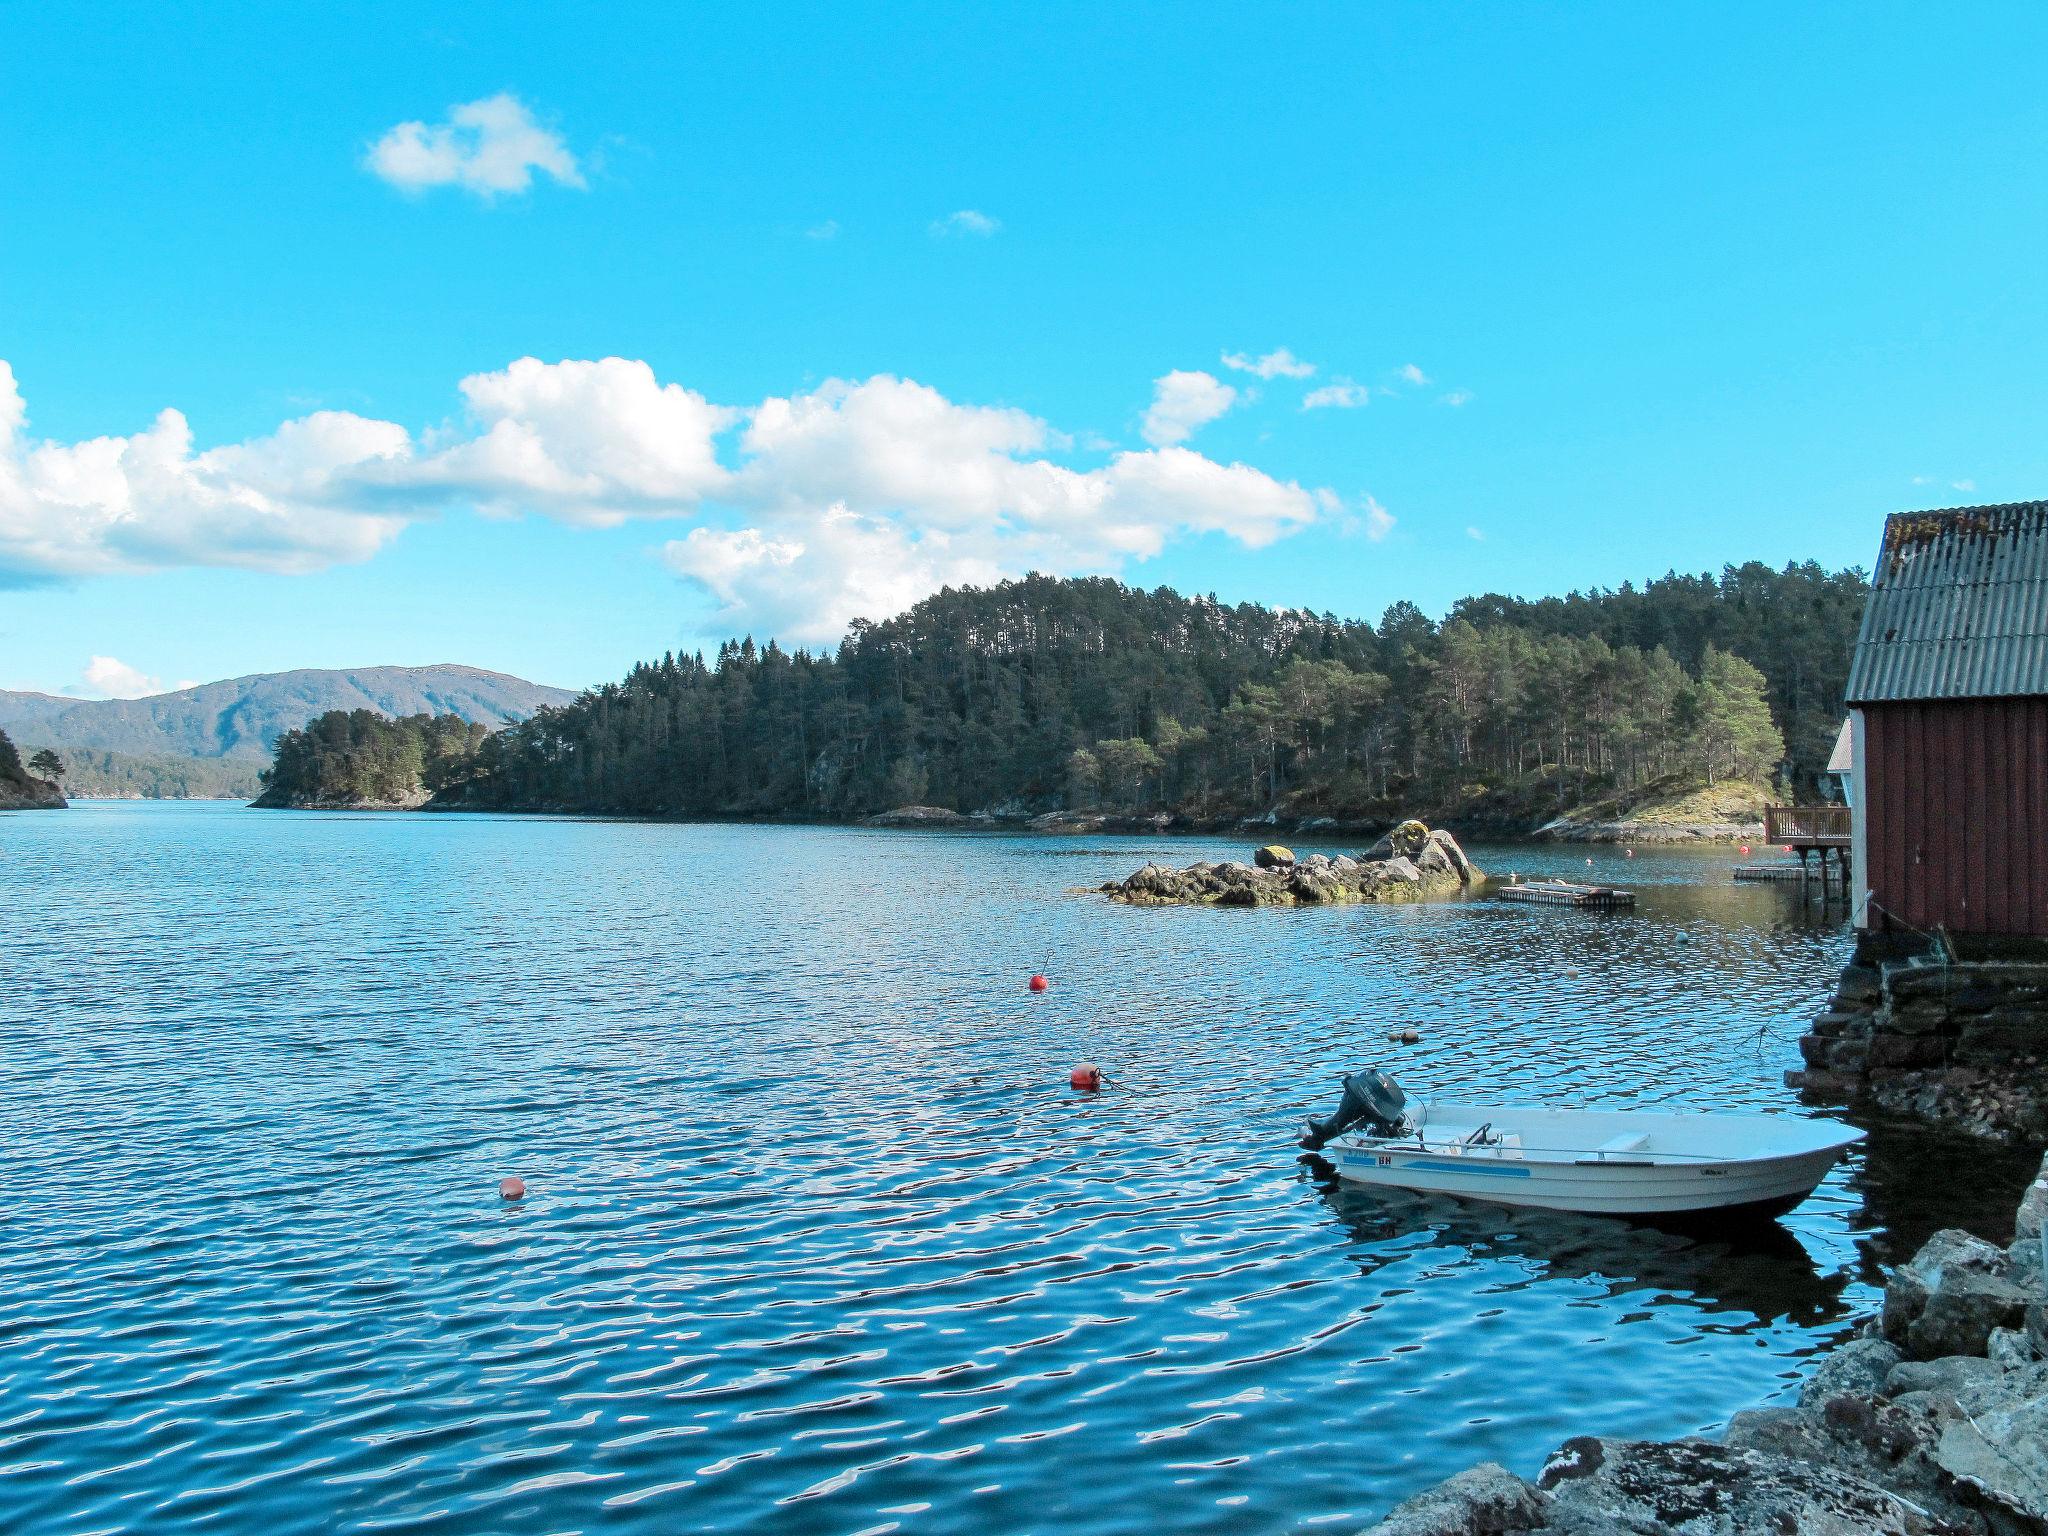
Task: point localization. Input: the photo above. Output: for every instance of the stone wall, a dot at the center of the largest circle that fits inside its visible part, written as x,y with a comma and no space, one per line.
1959,1042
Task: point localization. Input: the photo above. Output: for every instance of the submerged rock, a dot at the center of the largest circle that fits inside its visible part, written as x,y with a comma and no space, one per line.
1275,878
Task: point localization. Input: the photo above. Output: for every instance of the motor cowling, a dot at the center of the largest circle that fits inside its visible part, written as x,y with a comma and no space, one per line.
1372,1101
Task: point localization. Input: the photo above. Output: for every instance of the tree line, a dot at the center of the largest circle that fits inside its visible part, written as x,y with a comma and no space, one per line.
1042,693
359,755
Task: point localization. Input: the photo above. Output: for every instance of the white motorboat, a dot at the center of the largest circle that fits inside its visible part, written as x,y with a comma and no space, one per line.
1612,1162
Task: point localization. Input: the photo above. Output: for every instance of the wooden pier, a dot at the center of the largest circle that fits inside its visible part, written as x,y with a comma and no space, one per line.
1813,832
1562,893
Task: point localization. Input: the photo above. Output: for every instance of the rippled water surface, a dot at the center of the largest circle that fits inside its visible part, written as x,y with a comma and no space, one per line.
818,1239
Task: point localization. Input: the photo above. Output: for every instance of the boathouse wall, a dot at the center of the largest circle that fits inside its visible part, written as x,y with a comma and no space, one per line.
1955,812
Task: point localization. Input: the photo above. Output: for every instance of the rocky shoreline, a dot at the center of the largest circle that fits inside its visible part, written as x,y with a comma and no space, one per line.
1411,863
1932,1421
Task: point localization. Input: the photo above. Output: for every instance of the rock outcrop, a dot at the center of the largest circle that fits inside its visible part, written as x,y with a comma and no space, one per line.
1933,1423
921,816
21,790
1411,863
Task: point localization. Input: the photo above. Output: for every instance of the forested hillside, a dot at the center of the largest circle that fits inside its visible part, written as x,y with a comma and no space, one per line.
1042,693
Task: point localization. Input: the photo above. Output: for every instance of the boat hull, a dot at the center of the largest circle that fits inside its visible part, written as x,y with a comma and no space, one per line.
1611,1188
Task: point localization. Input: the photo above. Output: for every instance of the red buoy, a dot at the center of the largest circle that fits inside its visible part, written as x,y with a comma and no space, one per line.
512,1188
1085,1078
1744,848
1039,983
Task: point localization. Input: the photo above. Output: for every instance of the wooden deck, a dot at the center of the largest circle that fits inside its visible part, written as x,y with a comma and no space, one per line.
1562,893
1807,826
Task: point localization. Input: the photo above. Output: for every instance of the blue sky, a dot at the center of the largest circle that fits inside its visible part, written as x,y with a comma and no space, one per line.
1593,292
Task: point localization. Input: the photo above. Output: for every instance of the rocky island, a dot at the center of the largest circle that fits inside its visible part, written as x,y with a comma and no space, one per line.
21,790
1411,863
1932,1421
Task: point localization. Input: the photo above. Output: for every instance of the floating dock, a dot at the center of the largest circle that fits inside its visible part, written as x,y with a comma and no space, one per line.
1562,893
1773,872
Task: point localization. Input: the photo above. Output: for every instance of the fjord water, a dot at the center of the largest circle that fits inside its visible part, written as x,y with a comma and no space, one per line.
817,1238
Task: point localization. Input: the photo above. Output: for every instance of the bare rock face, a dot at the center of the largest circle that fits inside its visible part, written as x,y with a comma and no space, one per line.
1437,866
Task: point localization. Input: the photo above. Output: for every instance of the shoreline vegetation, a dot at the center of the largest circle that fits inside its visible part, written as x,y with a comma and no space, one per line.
21,790
1087,705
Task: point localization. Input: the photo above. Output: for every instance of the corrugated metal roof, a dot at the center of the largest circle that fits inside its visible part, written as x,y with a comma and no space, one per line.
1958,607
1843,758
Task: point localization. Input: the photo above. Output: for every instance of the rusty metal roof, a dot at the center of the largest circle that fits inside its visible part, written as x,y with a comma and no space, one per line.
1958,607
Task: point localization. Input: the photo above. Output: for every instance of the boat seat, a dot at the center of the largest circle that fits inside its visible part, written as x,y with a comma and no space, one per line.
1627,1141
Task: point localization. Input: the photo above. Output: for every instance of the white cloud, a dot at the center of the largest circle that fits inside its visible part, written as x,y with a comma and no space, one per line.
587,442
1456,397
280,503
1340,394
108,678
1408,373
1962,485
1279,363
966,221
1475,534
1379,522
1183,402
829,230
487,147
856,497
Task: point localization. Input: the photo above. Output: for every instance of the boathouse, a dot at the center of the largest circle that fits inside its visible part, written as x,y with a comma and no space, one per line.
1948,694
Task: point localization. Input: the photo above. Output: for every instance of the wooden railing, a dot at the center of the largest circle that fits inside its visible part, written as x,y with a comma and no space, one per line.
1809,826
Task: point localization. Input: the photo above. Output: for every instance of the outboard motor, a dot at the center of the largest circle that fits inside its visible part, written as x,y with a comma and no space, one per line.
1371,1099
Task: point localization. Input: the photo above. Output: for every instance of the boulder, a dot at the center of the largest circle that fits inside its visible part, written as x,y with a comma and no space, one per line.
1434,861
1401,871
1273,856
1861,1365
1406,839
1947,1300
1487,1500
1702,1489
1462,866
2034,1208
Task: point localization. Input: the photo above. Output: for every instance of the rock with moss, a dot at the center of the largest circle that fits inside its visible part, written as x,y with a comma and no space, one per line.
1406,865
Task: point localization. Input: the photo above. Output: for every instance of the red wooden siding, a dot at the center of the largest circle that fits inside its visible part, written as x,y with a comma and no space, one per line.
1957,807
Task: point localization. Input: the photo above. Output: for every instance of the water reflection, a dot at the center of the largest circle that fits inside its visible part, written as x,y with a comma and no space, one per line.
1748,1277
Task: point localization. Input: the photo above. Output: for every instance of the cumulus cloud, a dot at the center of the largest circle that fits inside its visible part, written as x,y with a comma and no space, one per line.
488,147
286,502
1340,394
970,222
856,497
109,678
1379,522
1279,363
828,230
1183,402
1408,373
1456,397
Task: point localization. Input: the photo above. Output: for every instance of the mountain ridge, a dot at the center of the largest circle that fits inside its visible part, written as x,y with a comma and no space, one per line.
240,718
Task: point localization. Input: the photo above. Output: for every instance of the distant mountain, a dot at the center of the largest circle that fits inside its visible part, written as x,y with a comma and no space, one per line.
243,717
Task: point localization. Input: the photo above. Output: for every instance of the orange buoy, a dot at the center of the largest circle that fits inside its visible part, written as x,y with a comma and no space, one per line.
1039,983
1085,1078
513,1188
